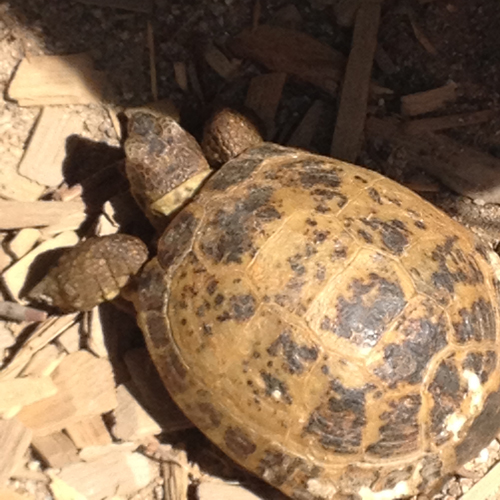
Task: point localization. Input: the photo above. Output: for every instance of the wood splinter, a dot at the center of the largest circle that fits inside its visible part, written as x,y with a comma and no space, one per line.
17,312
429,100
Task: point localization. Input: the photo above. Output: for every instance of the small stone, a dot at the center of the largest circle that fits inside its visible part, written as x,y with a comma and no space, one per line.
33,465
454,488
158,493
466,484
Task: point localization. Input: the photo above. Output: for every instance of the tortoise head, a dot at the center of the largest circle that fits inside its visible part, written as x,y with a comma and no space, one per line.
164,164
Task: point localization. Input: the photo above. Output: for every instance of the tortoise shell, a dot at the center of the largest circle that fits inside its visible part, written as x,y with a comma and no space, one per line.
326,327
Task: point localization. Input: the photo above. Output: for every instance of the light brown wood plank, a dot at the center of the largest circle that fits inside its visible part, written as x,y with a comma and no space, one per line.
263,97
429,100
44,157
85,389
89,432
15,439
49,80
348,134
19,214
450,121
466,170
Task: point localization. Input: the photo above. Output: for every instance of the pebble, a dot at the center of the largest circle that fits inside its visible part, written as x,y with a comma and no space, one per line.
159,492
33,465
466,484
454,489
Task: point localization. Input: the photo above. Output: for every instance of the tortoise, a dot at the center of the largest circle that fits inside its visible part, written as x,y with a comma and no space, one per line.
327,328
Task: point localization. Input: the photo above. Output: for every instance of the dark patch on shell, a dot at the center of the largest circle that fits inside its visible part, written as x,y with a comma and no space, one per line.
162,340
395,201
177,239
375,195
295,264
329,195
219,299
447,394
394,233
242,306
320,236
400,433
241,168
389,481
446,381
454,266
482,364
320,272
364,317
483,251
482,431
365,235
156,328
268,214
313,173
210,413
420,224
339,251
431,472
408,361
354,478
275,386
322,209
212,286
277,468
232,232
201,310
238,442
151,289
340,420
225,316
295,355
476,324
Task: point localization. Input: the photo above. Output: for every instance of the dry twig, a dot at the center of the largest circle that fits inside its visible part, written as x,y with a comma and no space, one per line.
17,312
